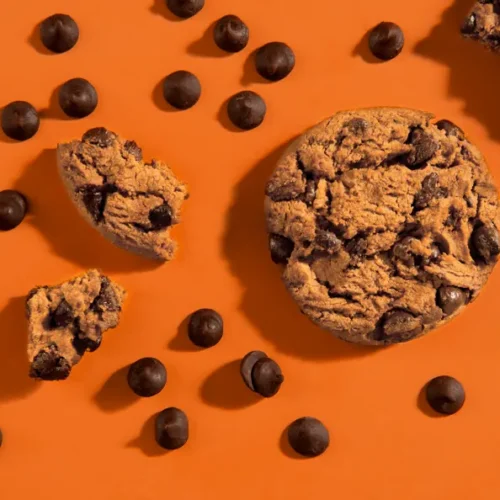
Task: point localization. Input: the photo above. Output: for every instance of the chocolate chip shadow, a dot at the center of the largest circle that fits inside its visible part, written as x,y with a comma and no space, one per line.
206,47
115,394
474,75
160,8
36,42
266,301
146,442
53,214
424,407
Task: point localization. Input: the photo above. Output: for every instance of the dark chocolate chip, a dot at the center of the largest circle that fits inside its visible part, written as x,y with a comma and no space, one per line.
100,137
185,8
454,217
63,315
20,120
94,199
231,34
205,328
450,298
328,241
246,110
84,344
357,246
182,89
266,377
400,326
13,208
386,41
132,148
310,192
161,217
402,250
450,129
59,33
430,190
308,436
78,98
107,299
171,428
424,147
247,364
469,25
147,377
49,365
281,248
486,242
445,394
274,61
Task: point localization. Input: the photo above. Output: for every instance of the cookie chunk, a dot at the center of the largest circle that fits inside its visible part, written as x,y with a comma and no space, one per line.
483,24
385,221
131,202
69,319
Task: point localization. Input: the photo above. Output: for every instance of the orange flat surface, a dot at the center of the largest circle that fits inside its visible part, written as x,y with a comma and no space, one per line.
88,437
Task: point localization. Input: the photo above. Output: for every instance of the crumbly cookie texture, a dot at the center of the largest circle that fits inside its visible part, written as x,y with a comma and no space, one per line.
69,319
131,202
386,223
483,24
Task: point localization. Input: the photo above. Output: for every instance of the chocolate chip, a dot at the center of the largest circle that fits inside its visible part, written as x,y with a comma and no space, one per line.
94,199
205,328
486,242
430,190
308,436
424,147
246,110
450,129
357,126
328,241
100,137
84,344
386,41
469,25
77,98
171,428
231,34
147,377
274,61
20,120
182,89
185,8
59,33
402,250
49,365
247,365
454,217
161,217
107,300
62,316
445,394
310,192
13,208
400,326
450,298
357,246
266,377
281,248
132,148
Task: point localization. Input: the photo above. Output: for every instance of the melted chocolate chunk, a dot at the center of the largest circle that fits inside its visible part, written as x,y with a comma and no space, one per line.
63,315
161,217
485,243
424,147
49,365
281,248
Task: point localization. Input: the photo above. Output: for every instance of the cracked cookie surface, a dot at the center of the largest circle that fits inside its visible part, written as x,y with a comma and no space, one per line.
132,203
69,319
483,24
385,222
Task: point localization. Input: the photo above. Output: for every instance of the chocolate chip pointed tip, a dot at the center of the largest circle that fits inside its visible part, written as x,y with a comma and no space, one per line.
445,394
59,33
247,364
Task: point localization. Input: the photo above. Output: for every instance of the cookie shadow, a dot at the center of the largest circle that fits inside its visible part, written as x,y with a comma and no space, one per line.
266,301
224,388
115,394
250,74
181,342
146,442
286,449
14,365
362,50
54,111
53,214
424,407
160,8
36,42
206,46
474,72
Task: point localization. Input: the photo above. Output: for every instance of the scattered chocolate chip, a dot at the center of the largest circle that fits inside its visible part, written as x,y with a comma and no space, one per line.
185,8
205,328
77,98
328,241
308,436
424,147
182,89
386,41
100,137
59,33
469,25
274,61
246,110
20,120
281,248
62,316
450,298
247,364
13,208
231,34
266,377
49,365
171,428
445,394
486,242
147,377
132,148
161,217
400,326
450,129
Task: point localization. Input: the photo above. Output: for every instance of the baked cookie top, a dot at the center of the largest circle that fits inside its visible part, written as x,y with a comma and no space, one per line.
386,223
131,202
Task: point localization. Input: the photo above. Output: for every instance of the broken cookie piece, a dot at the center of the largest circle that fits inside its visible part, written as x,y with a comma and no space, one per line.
483,24
69,319
132,203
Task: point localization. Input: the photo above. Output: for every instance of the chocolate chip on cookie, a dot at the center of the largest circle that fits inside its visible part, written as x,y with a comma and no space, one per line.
49,365
99,136
274,61
59,33
205,328
451,298
132,148
424,147
386,41
185,8
161,216
13,208
445,394
171,428
400,326
261,374
20,120
182,89
63,315
78,98
281,248
486,242
231,34
450,128
147,377
246,110
308,436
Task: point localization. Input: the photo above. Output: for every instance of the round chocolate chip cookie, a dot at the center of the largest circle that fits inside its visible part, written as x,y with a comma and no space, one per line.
386,223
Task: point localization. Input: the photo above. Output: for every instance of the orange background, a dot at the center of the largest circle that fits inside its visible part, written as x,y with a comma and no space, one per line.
88,437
